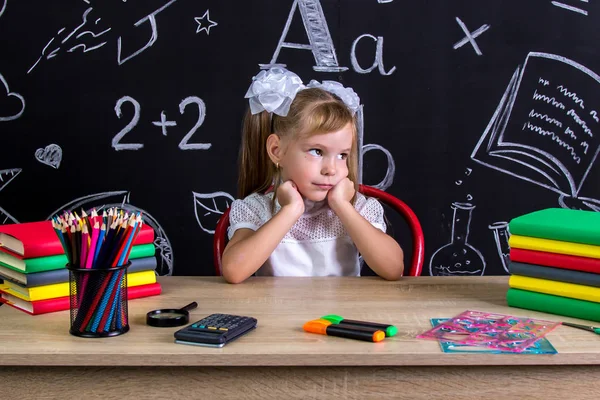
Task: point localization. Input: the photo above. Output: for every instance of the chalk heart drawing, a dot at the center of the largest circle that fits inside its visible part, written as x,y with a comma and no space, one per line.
209,207
50,155
7,91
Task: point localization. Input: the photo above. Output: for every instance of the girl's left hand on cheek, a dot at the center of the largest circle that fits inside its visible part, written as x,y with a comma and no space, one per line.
341,192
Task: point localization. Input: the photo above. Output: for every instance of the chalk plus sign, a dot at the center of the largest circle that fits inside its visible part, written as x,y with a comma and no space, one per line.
163,123
470,37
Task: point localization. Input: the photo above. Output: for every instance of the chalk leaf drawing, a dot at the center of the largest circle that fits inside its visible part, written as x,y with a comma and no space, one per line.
51,155
6,176
570,8
205,23
3,7
209,207
318,34
9,114
546,128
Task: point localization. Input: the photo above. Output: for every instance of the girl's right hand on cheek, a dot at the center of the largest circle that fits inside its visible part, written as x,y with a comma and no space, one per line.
288,195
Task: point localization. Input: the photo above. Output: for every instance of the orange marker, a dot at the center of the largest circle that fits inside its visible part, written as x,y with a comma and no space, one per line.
324,327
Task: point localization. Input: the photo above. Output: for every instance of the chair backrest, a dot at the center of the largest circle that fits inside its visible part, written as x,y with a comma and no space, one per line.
418,255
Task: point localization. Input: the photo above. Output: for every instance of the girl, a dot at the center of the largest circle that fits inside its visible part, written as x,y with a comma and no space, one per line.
303,142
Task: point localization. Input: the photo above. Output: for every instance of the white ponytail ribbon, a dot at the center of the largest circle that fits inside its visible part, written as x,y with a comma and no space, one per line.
273,90
348,95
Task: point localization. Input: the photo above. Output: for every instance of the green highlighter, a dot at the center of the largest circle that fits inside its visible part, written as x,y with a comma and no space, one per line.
390,330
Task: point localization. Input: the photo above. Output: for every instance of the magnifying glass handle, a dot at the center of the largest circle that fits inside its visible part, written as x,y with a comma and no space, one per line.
190,306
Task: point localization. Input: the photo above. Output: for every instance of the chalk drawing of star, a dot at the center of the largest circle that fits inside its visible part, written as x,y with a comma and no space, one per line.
208,22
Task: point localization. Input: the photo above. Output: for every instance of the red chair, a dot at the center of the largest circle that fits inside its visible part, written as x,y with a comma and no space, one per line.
409,216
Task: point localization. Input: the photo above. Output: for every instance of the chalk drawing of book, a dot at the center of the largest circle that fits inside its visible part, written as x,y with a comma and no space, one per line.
546,128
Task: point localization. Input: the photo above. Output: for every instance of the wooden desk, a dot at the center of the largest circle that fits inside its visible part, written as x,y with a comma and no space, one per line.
279,360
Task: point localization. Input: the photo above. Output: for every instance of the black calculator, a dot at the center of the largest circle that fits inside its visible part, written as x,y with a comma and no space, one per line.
216,330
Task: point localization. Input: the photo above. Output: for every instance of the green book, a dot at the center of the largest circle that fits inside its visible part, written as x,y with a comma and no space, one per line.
50,263
577,226
553,304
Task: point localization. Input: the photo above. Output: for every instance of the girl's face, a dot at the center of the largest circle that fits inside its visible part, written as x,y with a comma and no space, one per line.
318,162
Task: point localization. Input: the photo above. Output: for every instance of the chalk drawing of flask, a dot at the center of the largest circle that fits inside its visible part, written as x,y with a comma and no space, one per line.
458,257
501,236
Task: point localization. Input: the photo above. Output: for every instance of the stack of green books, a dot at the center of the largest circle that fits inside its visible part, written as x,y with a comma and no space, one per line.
555,262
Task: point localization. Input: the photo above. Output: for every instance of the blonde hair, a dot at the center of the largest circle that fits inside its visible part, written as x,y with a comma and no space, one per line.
313,111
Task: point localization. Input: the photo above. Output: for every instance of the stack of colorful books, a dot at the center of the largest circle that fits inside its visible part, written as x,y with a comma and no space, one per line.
555,262
33,267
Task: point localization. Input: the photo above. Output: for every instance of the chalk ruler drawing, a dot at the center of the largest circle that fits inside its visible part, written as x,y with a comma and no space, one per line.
545,129
470,36
209,207
564,6
6,176
120,198
50,155
163,124
204,23
318,34
9,115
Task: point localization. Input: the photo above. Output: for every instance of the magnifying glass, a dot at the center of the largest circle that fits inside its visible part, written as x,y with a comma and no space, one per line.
168,317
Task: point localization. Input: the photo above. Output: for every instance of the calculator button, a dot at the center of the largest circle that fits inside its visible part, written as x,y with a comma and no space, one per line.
223,329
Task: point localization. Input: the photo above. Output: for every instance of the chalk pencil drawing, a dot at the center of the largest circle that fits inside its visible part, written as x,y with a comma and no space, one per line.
319,38
209,207
88,27
545,128
204,23
377,63
470,36
120,198
458,257
9,115
151,18
50,155
501,235
570,8
6,176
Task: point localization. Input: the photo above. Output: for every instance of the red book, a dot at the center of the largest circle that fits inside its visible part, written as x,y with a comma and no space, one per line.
63,303
30,239
39,239
556,260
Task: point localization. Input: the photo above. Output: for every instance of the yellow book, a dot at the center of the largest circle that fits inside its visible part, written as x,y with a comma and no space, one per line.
556,288
554,246
62,289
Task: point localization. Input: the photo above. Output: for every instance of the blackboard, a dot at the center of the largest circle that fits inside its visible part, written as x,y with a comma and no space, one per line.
473,112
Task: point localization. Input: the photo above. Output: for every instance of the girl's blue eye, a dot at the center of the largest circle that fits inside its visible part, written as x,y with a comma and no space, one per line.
315,152
343,156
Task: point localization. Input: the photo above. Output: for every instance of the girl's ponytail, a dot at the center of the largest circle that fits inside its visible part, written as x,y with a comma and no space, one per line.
256,170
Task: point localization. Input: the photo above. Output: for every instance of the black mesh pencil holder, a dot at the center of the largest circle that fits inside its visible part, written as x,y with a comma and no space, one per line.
98,298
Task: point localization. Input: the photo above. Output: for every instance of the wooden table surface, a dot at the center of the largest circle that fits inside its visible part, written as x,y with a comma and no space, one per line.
281,306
